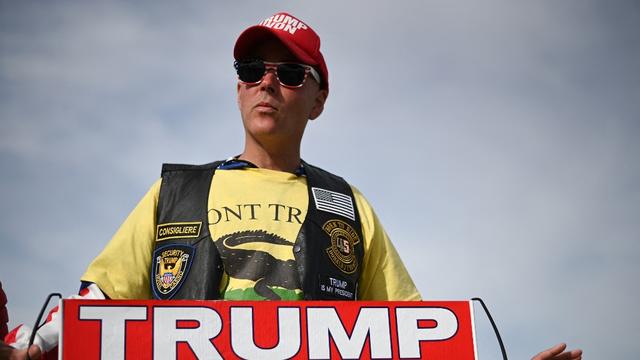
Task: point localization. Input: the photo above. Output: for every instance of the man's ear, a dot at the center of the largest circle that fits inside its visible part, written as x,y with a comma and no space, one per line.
318,105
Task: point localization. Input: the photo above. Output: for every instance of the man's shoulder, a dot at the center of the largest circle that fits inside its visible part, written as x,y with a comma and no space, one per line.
170,167
318,171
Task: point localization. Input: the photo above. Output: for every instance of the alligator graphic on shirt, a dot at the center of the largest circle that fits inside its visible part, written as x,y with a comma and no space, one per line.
259,266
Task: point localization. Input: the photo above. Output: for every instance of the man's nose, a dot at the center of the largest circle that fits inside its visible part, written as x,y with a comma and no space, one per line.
270,80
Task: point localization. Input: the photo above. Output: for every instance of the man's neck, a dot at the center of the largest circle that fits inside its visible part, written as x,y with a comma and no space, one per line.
288,162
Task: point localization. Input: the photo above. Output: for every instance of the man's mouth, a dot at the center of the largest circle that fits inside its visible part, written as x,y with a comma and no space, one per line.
265,105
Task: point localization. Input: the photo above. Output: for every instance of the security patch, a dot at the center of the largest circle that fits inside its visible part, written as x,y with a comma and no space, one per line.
342,249
178,230
170,269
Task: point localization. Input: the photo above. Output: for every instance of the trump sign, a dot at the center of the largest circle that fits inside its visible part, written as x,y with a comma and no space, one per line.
153,329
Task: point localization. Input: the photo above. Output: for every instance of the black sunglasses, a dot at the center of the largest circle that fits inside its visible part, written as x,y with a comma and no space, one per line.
290,75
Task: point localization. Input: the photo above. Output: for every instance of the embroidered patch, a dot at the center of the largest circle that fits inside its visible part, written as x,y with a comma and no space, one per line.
336,288
342,249
334,202
178,230
170,269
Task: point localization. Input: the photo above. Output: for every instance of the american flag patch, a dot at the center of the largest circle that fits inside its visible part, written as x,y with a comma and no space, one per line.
334,202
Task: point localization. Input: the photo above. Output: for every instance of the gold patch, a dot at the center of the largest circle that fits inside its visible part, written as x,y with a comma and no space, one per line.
178,230
342,249
170,268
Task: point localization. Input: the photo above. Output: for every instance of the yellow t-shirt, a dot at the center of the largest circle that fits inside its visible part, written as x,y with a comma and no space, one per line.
257,202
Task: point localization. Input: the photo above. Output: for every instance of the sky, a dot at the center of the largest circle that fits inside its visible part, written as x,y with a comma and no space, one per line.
498,142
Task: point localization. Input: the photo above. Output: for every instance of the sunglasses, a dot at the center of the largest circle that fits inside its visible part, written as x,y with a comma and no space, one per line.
291,75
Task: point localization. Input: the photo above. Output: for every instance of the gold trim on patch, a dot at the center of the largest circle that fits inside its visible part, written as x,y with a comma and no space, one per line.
342,251
170,268
178,230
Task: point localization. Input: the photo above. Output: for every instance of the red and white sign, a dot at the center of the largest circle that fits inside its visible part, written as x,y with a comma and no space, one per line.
150,329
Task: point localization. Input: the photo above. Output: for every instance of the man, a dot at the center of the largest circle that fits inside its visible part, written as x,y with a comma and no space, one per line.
264,204
264,224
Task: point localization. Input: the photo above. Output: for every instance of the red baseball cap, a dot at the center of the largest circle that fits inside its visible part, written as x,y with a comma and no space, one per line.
297,36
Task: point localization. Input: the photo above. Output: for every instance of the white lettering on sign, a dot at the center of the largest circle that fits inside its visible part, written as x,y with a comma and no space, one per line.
197,327
112,326
410,334
371,322
166,333
283,22
243,339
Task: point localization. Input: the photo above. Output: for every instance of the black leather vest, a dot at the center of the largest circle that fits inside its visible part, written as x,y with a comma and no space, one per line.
186,262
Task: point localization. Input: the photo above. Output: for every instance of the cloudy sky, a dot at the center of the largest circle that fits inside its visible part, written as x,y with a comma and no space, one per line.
497,140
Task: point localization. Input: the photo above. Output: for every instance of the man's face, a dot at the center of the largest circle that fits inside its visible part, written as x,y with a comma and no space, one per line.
271,112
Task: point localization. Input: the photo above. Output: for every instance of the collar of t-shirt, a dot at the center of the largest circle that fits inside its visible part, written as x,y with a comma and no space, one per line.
234,164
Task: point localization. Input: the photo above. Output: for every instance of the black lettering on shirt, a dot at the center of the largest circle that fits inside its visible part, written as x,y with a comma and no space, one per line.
253,210
294,213
276,213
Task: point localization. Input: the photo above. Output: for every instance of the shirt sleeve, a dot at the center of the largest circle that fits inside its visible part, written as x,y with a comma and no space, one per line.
384,276
123,267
